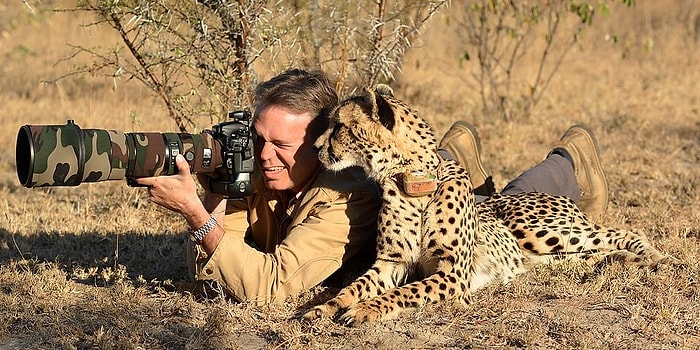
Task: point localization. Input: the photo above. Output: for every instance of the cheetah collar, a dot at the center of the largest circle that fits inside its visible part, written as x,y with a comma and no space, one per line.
417,183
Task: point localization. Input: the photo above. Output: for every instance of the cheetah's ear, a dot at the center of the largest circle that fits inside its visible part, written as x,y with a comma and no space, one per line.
384,90
381,109
369,103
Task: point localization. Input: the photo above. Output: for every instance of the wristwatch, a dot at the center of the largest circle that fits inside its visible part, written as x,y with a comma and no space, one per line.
199,234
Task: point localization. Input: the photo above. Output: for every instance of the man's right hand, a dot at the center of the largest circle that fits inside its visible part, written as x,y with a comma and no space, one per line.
213,202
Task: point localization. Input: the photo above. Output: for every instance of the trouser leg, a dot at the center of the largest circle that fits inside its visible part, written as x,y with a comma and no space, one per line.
480,198
554,175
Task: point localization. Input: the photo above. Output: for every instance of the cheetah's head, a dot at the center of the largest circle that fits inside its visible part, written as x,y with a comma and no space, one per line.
379,133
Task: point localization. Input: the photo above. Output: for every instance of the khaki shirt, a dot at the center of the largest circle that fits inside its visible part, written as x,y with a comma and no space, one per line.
271,250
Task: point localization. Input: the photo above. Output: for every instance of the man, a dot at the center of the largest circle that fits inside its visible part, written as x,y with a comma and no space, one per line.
304,222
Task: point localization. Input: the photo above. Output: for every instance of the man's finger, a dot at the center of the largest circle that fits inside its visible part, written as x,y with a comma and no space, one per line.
145,181
182,166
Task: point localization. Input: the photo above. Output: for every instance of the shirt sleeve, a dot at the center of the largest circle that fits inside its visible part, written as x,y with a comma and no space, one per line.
332,232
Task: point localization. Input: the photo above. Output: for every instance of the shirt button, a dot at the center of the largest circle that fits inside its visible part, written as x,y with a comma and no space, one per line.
208,271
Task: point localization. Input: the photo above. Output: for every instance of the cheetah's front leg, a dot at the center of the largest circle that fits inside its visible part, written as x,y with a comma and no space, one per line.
383,275
446,284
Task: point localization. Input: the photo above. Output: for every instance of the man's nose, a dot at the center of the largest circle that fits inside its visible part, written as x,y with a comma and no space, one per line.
266,150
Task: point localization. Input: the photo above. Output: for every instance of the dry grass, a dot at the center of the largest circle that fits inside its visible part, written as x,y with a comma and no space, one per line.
98,266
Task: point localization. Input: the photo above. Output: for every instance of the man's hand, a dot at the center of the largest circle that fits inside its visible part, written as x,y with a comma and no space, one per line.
213,202
179,193
175,192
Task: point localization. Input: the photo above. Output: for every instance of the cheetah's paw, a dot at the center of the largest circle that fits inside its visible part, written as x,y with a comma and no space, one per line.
359,314
324,310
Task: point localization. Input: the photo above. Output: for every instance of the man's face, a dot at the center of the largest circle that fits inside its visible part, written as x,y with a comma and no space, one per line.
282,149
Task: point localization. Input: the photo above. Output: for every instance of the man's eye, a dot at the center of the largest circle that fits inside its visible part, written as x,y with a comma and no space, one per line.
284,145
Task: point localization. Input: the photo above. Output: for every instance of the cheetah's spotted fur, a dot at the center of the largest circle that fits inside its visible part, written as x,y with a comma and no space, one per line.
443,245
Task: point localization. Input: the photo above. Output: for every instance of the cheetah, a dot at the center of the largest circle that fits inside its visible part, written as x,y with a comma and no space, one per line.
434,243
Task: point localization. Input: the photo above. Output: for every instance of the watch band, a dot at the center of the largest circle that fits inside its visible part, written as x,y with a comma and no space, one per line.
199,234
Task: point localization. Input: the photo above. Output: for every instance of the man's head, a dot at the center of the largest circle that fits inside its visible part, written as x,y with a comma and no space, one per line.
291,111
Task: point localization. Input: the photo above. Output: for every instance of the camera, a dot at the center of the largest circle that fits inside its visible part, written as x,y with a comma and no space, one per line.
237,153
67,155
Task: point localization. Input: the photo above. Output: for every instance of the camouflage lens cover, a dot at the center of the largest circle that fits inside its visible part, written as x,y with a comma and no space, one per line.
66,155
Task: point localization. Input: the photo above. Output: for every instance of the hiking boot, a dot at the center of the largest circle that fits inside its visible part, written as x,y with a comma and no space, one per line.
582,147
462,142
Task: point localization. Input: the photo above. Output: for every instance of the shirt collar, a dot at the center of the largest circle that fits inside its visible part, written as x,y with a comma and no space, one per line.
290,200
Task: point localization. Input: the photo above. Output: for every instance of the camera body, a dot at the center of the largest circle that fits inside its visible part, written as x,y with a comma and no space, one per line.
236,138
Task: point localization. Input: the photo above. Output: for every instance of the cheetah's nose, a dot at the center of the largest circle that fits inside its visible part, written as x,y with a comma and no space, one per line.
316,149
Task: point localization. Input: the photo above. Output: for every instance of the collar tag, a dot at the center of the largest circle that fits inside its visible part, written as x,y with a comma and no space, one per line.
419,183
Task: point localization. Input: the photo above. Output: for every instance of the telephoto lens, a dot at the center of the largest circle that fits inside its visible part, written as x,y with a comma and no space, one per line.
66,155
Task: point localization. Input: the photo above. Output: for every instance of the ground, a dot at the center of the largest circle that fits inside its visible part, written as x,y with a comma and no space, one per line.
98,266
